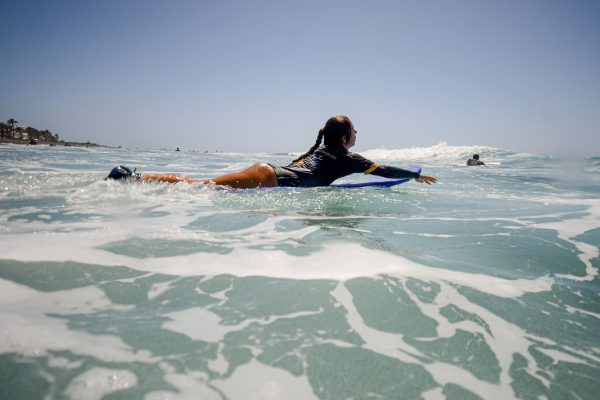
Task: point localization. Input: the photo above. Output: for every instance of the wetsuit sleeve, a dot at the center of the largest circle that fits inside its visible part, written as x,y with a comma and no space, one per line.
360,164
393,172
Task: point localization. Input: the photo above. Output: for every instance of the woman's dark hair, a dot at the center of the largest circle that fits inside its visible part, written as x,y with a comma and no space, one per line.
332,133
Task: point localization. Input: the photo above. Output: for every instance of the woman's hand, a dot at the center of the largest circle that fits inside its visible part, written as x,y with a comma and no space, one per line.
426,179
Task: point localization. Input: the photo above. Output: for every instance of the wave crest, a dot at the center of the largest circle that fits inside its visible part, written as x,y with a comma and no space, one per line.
439,152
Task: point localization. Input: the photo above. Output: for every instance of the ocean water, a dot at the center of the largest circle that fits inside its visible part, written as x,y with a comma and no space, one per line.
484,286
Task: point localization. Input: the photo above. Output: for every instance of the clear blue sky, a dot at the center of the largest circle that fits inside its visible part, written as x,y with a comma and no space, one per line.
263,76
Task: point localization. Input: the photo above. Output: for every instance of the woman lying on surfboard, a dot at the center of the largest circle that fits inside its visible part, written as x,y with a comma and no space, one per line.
319,166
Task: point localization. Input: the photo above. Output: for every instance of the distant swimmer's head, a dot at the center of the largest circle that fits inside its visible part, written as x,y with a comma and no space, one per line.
338,132
475,156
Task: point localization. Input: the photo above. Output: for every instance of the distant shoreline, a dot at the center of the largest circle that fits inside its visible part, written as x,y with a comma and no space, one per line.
60,143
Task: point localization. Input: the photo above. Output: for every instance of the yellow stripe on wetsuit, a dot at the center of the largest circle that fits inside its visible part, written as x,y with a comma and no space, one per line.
371,168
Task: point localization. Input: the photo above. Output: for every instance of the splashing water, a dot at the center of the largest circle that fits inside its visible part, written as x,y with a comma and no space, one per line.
483,286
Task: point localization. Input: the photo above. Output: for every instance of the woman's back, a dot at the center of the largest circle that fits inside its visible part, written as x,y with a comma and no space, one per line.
322,167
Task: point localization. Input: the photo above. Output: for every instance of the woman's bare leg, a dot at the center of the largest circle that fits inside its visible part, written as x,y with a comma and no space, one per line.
170,178
257,175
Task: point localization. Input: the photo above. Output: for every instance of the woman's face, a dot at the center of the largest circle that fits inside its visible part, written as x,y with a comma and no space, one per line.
350,141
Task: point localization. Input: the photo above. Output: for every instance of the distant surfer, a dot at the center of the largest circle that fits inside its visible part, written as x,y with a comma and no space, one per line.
319,166
474,161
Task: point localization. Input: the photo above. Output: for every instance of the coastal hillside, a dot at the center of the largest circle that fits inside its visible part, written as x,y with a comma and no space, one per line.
11,133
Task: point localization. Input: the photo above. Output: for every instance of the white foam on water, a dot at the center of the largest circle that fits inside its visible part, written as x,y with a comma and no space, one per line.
337,261
64,363
190,386
220,364
593,356
257,381
439,152
389,344
393,345
200,324
27,329
434,394
575,310
439,235
559,356
96,383
221,295
504,340
159,288
569,229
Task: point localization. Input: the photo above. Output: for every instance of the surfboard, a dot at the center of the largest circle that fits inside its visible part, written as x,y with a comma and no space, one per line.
377,181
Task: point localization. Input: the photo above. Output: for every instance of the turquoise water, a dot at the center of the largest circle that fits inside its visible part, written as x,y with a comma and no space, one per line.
483,286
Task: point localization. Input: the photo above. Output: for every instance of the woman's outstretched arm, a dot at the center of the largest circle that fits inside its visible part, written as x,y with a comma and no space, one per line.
388,171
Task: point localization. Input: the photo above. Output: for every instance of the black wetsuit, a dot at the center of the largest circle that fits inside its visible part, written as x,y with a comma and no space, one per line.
327,164
473,162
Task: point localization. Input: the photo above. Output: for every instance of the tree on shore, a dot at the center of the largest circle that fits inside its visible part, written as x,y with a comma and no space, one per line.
12,122
4,129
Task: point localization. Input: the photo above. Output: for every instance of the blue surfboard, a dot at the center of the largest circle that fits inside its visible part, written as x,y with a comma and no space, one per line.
382,182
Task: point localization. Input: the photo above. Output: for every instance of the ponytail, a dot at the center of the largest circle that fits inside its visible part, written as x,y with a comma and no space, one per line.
312,149
332,133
